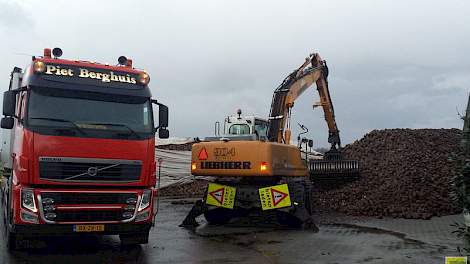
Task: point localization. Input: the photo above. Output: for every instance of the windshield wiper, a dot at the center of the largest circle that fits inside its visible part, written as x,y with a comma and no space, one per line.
120,125
63,121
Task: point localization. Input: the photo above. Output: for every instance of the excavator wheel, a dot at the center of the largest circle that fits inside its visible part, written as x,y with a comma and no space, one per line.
301,214
219,216
288,219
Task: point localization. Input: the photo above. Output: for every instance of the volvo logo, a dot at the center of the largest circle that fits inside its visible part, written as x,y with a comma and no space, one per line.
92,171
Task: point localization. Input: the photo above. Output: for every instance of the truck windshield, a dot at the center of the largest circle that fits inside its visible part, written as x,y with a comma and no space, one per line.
102,116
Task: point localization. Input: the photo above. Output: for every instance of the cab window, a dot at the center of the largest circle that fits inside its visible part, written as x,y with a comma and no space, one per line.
261,127
21,106
239,129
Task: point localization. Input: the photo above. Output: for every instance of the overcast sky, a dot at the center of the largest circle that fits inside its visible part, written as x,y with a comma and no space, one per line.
392,64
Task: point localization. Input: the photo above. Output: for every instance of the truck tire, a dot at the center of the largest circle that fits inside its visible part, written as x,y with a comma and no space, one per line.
218,216
10,236
11,240
134,239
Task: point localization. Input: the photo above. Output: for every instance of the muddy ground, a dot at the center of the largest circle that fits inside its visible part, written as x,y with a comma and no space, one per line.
341,239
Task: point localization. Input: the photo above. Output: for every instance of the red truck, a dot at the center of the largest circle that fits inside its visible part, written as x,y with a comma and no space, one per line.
82,150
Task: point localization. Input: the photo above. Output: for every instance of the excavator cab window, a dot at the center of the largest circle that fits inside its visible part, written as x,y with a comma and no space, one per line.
239,129
261,127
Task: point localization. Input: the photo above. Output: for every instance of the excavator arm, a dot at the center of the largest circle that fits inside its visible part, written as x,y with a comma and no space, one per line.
313,70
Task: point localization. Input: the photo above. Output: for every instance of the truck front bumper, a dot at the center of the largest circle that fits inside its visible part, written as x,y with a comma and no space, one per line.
68,229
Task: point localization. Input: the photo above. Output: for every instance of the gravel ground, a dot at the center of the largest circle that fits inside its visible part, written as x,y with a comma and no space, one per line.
341,239
192,189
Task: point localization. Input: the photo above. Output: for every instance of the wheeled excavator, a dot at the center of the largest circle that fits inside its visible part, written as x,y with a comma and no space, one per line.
256,170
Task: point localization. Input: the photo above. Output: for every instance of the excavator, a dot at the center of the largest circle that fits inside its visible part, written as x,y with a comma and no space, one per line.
256,169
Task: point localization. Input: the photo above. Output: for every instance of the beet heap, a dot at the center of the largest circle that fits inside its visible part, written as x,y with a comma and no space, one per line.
404,173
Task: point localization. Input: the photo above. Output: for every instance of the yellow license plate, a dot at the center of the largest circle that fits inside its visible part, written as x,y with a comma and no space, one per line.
88,228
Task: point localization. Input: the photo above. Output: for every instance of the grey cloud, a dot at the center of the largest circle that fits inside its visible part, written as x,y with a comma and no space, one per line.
13,16
392,63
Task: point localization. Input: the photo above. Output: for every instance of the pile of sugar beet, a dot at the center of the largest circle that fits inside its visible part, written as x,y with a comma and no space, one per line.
404,173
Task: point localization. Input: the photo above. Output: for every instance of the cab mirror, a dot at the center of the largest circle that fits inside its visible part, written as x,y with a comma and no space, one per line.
9,103
163,133
310,143
7,122
162,116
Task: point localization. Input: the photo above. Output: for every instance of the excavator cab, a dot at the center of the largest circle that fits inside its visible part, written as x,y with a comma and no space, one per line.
239,127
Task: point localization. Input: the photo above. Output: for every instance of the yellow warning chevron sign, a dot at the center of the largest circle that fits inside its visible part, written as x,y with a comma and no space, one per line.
220,195
273,197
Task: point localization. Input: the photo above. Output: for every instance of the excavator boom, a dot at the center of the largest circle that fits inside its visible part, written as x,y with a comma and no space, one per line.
313,71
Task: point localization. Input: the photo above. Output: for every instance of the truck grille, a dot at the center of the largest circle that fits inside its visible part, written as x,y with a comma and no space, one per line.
83,169
86,199
88,216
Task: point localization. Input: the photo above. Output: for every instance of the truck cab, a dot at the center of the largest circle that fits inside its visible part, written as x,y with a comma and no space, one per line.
81,148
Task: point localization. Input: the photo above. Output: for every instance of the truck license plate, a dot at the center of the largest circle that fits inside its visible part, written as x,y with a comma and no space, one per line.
88,228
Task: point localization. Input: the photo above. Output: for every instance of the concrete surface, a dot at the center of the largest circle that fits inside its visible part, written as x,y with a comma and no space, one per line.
341,239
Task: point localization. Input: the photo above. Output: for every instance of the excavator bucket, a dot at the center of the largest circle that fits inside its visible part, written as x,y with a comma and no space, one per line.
334,167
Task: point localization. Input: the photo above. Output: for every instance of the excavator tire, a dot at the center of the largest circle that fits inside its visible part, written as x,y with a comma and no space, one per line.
219,216
300,191
288,219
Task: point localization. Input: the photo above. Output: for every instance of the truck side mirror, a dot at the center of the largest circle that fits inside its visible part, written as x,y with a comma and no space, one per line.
162,120
162,116
9,103
7,122
163,133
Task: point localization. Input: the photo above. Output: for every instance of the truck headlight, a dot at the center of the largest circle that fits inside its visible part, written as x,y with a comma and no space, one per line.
145,200
27,199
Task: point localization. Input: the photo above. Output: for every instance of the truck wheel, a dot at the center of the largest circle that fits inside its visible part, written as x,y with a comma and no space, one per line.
10,237
134,239
11,240
218,216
